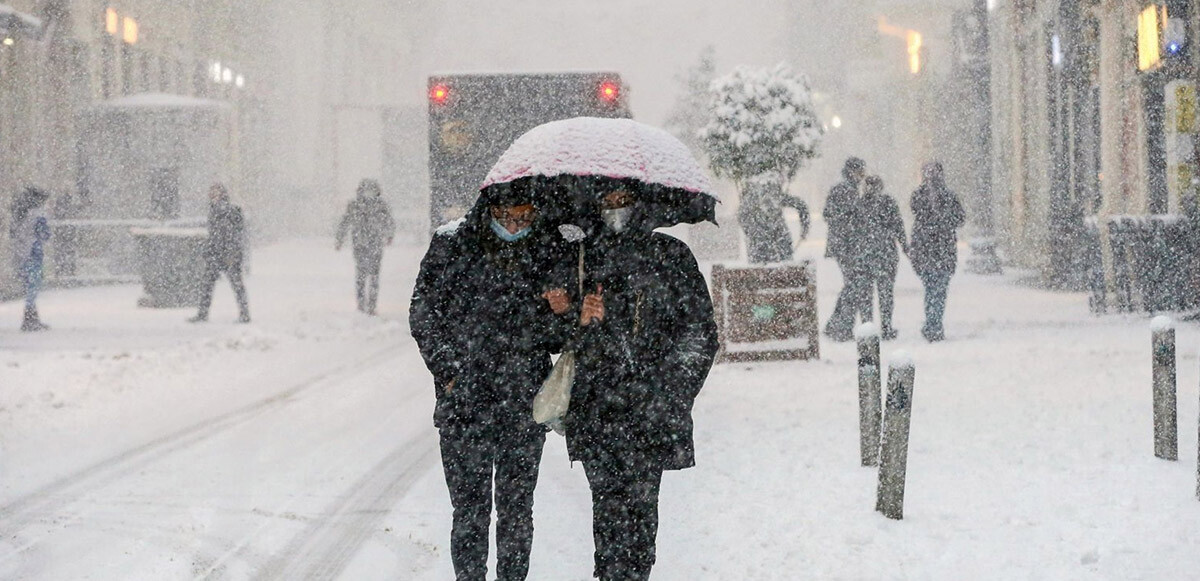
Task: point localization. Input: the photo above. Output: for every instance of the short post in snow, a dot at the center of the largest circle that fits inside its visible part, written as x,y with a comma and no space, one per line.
869,407
893,465
1166,431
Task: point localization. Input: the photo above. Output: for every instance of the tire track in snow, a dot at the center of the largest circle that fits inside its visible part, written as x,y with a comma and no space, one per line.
326,548
46,501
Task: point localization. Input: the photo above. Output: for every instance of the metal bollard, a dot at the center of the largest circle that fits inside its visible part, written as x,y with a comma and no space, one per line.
1166,431
869,407
893,465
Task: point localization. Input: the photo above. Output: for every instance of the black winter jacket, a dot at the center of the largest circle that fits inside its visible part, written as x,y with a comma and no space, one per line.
844,217
369,222
480,322
226,235
937,214
640,369
884,230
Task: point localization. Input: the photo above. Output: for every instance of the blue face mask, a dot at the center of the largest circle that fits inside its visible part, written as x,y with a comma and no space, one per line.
507,236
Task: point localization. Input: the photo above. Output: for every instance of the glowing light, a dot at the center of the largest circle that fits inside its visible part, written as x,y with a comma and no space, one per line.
240,81
8,42
912,39
226,75
112,21
1149,33
610,91
215,70
130,31
836,122
439,94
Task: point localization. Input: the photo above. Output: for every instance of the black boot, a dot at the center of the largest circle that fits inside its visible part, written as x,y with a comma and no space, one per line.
31,322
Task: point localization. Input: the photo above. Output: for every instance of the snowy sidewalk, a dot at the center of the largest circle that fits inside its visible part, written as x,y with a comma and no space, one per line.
1031,452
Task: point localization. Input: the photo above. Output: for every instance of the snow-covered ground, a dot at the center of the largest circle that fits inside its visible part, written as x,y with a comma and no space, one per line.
134,445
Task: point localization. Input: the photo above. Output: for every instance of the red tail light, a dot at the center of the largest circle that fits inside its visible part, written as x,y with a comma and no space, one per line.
609,92
439,94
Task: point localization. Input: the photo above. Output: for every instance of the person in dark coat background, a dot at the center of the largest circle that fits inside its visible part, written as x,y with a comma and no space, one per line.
884,230
224,251
843,214
937,215
647,342
760,215
486,326
29,231
369,222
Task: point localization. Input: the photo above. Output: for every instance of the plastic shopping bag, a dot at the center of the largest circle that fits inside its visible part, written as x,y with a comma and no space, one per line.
551,402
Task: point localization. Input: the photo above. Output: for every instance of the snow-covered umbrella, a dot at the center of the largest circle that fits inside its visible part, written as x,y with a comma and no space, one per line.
668,180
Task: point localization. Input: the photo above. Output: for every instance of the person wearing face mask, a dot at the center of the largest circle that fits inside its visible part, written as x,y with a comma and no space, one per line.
369,222
224,251
486,327
647,341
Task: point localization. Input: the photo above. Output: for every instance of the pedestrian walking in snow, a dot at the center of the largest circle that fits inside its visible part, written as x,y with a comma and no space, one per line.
844,217
224,252
937,215
29,230
485,327
369,222
760,214
884,230
647,342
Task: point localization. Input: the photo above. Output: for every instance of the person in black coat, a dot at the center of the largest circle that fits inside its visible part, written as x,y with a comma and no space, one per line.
884,230
760,215
486,330
224,251
937,215
369,222
646,343
843,214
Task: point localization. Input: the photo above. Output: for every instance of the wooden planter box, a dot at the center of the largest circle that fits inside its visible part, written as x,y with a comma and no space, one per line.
766,313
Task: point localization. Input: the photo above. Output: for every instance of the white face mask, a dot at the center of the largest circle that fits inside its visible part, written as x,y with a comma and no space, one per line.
617,220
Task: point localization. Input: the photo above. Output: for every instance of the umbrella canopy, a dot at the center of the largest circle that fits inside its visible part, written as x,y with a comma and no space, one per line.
667,178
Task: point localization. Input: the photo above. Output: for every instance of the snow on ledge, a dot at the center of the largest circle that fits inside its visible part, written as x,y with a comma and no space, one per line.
866,330
1161,323
900,359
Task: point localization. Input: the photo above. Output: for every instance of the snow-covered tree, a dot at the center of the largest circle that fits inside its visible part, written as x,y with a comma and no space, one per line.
762,123
693,106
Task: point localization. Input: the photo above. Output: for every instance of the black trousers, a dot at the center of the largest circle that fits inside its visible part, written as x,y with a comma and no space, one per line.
882,280
212,271
366,278
624,514
854,299
471,455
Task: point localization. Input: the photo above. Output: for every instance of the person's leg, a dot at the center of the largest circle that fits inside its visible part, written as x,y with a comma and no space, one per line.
374,263
31,275
239,290
939,288
886,283
841,321
642,497
866,295
935,304
467,462
207,283
609,513
517,461
360,285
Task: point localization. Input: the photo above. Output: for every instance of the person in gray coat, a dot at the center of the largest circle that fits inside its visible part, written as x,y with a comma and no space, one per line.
884,230
937,215
369,222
